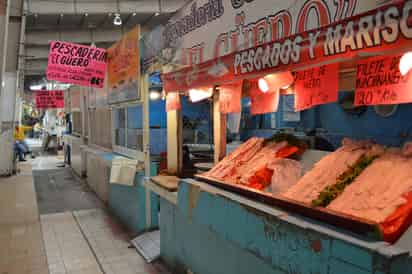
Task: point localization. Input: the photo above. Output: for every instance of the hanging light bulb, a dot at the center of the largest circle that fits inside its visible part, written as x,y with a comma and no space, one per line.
276,81
160,8
117,21
263,85
405,64
155,95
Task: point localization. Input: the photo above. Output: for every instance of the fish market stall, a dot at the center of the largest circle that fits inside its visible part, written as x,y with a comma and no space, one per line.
279,204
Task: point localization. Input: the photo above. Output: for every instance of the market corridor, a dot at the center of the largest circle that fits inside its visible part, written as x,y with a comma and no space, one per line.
65,230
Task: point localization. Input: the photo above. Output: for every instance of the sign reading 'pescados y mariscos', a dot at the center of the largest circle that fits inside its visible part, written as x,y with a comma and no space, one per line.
76,64
374,31
383,30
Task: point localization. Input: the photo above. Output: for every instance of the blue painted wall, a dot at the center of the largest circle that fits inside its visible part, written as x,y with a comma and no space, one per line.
157,115
128,203
158,121
210,234
394,130
388,131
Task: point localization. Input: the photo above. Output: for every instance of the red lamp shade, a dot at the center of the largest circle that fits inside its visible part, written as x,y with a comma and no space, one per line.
276,81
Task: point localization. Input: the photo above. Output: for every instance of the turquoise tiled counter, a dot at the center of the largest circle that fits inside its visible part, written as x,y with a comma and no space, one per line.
210,231
128,203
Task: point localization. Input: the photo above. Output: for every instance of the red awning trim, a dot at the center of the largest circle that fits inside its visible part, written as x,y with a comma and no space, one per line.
387,29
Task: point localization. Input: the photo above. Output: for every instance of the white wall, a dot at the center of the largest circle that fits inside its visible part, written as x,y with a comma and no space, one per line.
8,98
7,114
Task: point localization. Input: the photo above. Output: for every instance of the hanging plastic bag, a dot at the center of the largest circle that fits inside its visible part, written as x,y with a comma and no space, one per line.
286,173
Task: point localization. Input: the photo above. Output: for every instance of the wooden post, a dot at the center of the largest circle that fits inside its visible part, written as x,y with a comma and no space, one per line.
146,122
219,130
174,136
146,143
174,141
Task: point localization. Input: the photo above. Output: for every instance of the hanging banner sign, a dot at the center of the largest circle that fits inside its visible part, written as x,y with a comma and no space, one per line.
262,103
2,7
124,68
383,30
50,99
173,101
316,86
230,97
76,64
379,82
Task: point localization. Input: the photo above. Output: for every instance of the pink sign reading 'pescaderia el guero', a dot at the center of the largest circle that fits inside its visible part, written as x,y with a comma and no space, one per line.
77,64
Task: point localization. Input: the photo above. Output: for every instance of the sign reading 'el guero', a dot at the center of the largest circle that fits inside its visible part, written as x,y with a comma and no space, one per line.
77,64
49,99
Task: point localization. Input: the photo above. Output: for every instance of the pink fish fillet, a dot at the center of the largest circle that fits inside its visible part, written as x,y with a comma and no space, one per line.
266,155
377,192
325,173
227,167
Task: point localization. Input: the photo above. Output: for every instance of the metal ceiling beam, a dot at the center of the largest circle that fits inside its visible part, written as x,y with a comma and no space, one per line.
102,6
39,38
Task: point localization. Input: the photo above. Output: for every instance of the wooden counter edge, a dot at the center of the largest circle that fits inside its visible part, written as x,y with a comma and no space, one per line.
165,193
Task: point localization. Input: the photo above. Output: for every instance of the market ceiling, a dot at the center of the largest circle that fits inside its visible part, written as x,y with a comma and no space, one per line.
85,22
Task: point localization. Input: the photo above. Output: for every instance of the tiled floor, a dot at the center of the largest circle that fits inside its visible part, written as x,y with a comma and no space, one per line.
21,243
67,250
79,242
110,243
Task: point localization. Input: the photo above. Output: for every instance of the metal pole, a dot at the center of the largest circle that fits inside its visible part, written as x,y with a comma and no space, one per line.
146,144
4,28
21,62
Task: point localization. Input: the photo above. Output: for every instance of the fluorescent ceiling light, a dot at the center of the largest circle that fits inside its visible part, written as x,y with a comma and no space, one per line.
36,87
50,86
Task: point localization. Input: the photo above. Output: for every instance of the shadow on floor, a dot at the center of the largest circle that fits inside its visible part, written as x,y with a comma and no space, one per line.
58,190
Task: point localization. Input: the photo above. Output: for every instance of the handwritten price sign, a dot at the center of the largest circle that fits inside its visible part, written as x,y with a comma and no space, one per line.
50,99
316,86
230,98
76,64
262,103
173,101
379,82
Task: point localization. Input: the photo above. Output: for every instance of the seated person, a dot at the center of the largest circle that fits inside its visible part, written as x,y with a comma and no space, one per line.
20,143
20,150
